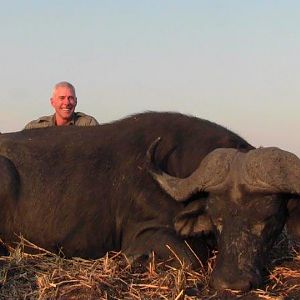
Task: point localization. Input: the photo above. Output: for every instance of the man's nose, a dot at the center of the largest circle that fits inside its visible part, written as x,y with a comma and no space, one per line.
67,101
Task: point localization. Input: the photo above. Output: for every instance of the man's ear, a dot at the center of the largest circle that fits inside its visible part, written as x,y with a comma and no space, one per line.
51,102
293,220
193,220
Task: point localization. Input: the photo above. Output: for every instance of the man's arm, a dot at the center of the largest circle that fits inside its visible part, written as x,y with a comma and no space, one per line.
93,122
41,122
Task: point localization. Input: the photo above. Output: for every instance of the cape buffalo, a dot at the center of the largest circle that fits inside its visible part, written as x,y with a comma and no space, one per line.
89,190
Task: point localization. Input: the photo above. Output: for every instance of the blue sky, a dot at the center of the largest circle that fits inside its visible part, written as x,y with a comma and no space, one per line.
233,62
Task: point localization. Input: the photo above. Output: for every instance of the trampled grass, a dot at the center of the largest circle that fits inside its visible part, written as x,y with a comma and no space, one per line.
48,276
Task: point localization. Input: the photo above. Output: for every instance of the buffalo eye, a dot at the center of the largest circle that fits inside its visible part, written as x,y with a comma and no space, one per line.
257,229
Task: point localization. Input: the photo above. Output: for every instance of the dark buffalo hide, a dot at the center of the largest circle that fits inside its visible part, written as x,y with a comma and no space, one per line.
88,190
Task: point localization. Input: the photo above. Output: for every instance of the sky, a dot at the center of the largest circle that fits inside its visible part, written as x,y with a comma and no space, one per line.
235,63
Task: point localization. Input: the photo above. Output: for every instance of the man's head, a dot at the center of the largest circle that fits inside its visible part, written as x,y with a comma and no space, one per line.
64,102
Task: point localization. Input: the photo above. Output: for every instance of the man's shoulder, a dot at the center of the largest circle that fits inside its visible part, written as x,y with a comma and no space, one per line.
44,121
82,119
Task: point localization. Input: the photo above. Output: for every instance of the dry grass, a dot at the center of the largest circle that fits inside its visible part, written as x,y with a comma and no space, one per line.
48,276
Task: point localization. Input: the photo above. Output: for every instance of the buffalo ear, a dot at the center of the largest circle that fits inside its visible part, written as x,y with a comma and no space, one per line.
193,220
293,221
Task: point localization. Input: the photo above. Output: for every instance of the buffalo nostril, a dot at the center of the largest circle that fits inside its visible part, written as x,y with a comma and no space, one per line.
223,283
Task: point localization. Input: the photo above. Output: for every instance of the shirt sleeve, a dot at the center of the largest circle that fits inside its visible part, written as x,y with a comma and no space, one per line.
28,126
93,122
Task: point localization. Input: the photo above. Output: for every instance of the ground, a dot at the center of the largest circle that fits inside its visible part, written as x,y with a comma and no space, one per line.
48,276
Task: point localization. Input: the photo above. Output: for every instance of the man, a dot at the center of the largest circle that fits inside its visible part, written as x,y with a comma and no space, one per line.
64,102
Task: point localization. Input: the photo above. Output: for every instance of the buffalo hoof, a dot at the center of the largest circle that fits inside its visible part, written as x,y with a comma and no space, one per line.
139,259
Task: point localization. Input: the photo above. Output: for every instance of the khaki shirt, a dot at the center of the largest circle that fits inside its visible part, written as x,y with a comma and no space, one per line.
79,119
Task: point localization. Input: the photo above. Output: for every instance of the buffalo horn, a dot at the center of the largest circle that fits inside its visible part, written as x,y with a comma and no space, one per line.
271,170
210,174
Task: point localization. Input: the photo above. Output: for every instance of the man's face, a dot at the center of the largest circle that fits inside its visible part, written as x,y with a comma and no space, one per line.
64,102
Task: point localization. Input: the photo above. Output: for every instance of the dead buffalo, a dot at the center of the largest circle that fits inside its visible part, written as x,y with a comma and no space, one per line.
88,190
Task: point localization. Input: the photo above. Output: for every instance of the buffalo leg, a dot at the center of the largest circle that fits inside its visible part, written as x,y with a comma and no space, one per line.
9,189
9,180
165,244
